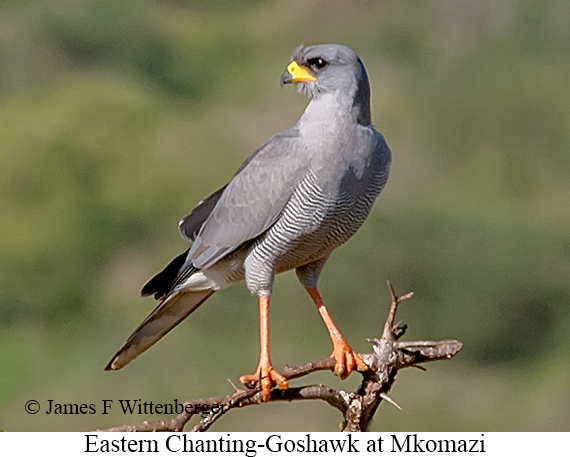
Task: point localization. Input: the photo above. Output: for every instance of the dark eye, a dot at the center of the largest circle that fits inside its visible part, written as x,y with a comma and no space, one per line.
317,62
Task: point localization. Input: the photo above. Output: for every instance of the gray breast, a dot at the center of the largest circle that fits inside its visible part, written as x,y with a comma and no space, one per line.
314,222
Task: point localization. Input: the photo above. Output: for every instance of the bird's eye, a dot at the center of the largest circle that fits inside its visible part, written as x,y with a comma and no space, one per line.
317,62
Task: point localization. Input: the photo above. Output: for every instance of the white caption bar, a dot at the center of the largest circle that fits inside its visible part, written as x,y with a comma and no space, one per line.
280,444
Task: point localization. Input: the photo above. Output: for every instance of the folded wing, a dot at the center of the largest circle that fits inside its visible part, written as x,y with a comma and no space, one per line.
253,200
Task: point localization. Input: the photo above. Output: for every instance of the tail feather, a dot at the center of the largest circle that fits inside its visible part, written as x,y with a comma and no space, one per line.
167,315
161,284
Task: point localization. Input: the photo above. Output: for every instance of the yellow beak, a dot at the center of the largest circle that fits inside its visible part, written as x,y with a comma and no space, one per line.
296,73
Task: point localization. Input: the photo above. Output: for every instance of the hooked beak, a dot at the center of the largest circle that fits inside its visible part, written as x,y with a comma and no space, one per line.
295,73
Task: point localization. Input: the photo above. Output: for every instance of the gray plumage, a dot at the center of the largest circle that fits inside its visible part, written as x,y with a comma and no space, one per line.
299,196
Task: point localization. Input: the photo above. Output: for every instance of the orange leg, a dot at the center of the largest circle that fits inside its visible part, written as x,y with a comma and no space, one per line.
346,359
265,374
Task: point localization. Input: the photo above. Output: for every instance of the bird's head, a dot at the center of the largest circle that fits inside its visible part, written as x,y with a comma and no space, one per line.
326,68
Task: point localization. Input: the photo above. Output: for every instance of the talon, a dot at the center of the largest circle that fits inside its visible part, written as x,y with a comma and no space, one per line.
346,360
361,364
267,376
249,380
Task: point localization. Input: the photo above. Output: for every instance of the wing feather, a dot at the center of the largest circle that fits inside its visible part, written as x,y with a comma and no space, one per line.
253,199
191,224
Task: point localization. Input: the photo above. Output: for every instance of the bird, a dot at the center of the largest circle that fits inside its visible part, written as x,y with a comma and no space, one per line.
295,199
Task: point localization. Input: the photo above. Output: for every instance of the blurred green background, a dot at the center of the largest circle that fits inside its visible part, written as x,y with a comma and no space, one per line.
118,116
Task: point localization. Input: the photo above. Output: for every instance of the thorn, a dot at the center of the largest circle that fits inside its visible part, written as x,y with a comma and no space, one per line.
392,292
387,333
419,367
389,400
233,385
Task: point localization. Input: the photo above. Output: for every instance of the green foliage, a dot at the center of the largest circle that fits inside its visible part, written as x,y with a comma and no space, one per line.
117,117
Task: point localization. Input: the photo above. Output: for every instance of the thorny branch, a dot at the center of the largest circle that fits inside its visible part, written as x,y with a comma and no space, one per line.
358,408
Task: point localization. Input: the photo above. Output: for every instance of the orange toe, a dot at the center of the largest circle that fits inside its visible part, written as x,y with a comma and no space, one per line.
267,376
346,360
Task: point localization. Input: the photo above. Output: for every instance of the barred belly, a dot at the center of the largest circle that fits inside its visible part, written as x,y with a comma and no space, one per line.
312,225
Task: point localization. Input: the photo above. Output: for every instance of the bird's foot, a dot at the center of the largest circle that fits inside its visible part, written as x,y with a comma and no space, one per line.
346,360
267,377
